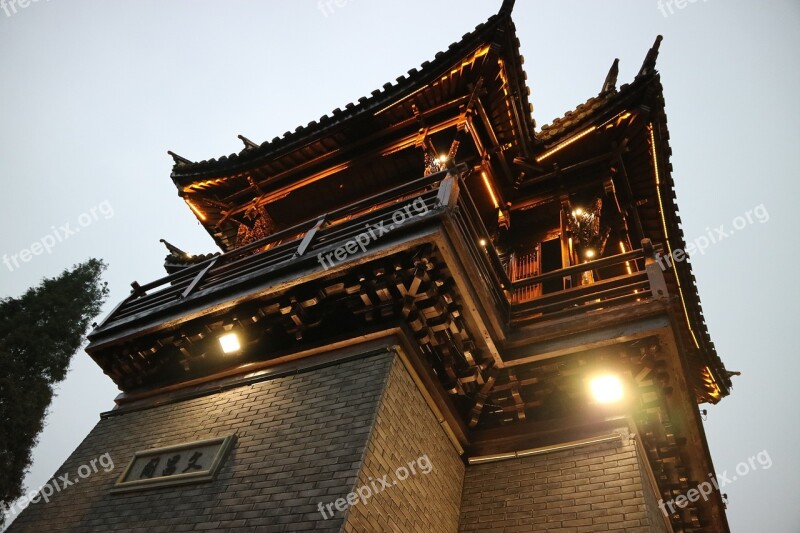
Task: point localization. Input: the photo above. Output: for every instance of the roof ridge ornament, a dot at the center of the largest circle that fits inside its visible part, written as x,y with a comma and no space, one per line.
507,7
610,85
649,65
174,250
178,159
248,144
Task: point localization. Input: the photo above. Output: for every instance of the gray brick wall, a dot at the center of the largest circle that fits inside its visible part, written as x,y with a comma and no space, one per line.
406,431
317,436
300,441
587,489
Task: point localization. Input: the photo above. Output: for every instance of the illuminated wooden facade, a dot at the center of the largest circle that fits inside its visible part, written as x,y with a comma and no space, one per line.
523,264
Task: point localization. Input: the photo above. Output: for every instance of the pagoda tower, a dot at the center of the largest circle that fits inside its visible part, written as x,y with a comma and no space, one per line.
426,314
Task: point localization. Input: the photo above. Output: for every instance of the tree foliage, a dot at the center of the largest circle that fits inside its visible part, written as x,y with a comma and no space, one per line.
40,331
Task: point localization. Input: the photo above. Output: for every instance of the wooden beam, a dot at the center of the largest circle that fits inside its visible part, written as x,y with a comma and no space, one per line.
553,194
495,142
375,143
199,277
588,340
479,314
686,420
431,389
309,236
534,434
609,156
574,325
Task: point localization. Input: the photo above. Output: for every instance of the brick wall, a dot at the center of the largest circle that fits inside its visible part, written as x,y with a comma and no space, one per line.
406,431
592,488
301,439
317,436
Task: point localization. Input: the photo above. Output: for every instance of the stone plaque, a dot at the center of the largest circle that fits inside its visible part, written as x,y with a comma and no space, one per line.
192,462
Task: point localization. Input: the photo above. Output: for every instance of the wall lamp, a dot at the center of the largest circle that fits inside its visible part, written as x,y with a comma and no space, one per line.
606,389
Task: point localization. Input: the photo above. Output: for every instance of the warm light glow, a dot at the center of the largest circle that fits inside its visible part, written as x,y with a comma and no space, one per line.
480,53
490,190
627,263
195,209
578,212
652,135
616,120
504,79
606,389
200,185
441,159
560,146
465,64
708,377
482,242
230,343
590,253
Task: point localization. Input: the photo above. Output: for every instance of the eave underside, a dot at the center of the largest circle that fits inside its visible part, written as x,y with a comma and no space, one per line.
375,143
639,162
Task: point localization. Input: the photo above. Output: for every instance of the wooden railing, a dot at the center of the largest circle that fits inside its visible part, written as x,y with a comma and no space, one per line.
481,250
443,192
300,243
643,281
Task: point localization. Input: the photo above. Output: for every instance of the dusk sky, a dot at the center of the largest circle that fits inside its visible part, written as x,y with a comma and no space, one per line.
95,93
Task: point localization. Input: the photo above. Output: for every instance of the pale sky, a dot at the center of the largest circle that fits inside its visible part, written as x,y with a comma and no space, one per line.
95,93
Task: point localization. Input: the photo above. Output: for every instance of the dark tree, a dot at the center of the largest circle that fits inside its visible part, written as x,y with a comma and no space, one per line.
39,333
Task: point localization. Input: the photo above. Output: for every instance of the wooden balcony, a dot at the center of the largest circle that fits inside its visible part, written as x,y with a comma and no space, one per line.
637,285
288,256
292,256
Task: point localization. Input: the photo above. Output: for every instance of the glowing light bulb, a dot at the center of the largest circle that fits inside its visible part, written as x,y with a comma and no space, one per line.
606,389
229,343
